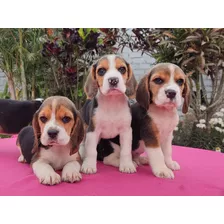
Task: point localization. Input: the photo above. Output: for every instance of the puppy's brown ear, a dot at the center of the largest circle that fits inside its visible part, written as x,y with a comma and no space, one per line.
77,133
143,92
91,86
36,129
186,96
131,83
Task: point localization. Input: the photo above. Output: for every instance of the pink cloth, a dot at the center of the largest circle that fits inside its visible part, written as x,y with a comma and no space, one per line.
202,173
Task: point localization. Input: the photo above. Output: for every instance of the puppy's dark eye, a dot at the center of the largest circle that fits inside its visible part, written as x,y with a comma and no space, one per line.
122,70
180,82
158,81
43,119
101,71
66,119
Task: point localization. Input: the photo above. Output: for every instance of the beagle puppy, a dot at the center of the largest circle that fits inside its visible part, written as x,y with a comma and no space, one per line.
15,114
154,117
107,112
52,141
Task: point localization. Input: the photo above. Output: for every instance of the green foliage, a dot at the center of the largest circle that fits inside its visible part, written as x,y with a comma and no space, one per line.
195,50
55,61
70,53
192,136
5,93
200,53
5,136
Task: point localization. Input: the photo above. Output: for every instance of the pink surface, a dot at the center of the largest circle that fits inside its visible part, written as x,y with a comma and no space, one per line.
202,173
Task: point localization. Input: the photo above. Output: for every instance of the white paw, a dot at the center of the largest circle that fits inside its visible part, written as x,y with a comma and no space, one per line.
163,172
141,160
71,176
127,167
21,159
173,165
50,178
88,167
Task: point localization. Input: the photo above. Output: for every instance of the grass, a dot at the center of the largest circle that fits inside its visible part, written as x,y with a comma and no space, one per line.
5,136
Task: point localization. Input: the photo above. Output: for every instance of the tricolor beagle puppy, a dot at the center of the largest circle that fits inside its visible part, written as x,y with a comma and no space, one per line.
154,117
15,114
107,111
52,141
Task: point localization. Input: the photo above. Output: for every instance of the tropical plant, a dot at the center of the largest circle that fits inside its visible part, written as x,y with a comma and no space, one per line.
14,59
8,59
199,52
44,62
5,93
36,67
70,52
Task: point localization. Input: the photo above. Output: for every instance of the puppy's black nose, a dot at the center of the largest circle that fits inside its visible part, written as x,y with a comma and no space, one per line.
113,81
170,93
52,133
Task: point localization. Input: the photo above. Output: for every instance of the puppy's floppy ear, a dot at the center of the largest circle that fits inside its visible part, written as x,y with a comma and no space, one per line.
36,129
186,96
130,71
91,86
77,133
131,83
143,92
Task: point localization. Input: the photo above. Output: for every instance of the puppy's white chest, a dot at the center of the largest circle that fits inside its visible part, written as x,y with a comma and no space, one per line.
165,122
111,123
57,156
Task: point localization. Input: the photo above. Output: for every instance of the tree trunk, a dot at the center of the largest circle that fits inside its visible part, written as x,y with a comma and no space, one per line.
23,76
197,99
33,93
11,87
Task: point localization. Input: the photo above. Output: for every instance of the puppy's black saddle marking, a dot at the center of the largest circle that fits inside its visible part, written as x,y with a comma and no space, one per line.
26,141
14,114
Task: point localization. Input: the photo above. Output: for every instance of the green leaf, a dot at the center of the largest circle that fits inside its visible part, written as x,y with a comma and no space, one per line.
88,30
100,40
95,30
80,93
81,33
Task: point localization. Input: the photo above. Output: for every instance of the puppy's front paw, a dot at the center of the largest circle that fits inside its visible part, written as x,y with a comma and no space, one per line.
88,167
50,178
173,165
71,176
127,167
21,159
163,172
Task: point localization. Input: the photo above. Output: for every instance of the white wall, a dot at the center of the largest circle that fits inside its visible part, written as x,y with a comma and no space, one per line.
2,81
140,63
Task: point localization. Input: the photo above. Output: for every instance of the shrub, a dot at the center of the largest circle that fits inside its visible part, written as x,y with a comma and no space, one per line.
199,135
44,62
200,53
70,52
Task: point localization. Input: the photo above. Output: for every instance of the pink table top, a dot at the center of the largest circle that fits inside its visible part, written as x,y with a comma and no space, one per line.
202,173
